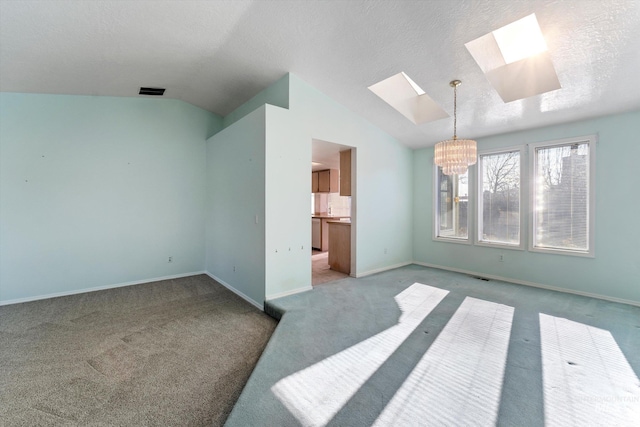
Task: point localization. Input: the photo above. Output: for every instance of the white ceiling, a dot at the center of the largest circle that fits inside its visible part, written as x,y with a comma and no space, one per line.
218,54
326,154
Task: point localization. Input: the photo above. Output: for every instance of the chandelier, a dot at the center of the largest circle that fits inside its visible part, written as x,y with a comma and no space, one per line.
455,155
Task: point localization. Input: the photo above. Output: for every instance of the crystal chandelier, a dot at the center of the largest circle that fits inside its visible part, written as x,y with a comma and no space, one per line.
455,155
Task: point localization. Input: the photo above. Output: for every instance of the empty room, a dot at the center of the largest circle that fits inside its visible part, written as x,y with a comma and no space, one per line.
472,256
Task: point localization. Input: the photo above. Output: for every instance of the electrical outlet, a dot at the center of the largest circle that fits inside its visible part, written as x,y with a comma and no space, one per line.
501,257
385,251
170,259
234,268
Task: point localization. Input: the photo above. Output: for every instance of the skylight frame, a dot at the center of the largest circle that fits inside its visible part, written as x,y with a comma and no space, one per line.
409,99
516,72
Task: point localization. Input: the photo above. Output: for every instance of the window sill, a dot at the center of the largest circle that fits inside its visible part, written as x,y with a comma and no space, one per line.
466,241
497,245
568,252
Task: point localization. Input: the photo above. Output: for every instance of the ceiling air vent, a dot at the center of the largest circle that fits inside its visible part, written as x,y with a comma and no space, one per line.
154,91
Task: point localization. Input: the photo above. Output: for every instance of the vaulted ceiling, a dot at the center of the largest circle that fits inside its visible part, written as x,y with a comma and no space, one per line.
218,54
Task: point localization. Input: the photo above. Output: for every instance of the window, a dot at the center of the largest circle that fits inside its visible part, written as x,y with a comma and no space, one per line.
555,186
452,206
499,211
562,196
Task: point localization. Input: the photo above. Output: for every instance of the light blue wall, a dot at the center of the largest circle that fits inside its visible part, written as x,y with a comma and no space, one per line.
132,175
384,176
99,191
276,94
280,263
288,187
383,187
615,271
235,249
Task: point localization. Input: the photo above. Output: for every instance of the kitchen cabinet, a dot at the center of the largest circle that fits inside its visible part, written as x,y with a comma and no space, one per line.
345,173
326,181
324,235
320,230
340,246
316,233
320,234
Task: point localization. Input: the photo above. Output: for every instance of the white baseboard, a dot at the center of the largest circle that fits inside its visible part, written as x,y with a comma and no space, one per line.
380,270
235,291
532,284
97,288
287,293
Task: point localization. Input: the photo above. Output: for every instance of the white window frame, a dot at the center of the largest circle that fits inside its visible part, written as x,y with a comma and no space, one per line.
521,149
591,140
470,210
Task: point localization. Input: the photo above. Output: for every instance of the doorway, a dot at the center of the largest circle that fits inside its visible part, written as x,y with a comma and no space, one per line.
332,211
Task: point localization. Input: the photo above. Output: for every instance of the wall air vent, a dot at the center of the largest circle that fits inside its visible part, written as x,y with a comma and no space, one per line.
153,91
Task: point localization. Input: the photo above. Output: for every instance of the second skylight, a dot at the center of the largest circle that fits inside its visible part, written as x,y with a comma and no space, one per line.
409,99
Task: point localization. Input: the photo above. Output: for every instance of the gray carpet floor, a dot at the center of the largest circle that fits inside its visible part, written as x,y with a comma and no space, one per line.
170,353
452,350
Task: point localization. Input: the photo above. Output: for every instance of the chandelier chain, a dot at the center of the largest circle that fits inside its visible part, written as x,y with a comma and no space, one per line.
455,115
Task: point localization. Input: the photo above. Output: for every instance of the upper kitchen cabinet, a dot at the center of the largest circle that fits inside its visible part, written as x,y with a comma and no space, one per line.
345,173
326,181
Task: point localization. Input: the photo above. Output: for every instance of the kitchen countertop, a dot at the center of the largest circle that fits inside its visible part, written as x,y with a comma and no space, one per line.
324,215
337,221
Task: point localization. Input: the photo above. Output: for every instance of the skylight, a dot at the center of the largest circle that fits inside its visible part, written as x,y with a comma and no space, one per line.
413,84
408,98
520,39
515,60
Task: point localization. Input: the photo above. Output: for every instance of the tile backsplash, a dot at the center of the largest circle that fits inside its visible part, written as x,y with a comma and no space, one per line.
331,203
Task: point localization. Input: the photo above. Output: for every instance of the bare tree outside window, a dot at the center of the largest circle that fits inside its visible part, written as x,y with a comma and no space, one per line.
500,200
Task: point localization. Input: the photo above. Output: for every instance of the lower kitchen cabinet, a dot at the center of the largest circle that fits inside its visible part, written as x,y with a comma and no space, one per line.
320,234
340,246
316,233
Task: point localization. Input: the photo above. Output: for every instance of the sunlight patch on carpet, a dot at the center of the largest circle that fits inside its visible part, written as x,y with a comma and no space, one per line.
315,394
586,378
458,381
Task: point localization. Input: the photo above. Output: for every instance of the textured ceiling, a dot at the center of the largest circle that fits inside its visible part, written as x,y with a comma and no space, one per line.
218,54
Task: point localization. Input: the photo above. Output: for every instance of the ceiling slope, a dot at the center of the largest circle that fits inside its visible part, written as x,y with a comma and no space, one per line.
218,54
